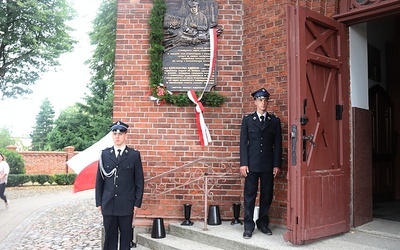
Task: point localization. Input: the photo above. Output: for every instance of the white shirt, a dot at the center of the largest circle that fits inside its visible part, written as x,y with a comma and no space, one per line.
116,150
4,169
259,116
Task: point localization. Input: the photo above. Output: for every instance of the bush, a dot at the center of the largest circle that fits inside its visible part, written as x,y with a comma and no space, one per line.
33,178
17,180
51,179
65,179
60,179
43,178
14,159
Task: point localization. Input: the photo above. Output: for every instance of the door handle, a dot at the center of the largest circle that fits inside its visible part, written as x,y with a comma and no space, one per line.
309,138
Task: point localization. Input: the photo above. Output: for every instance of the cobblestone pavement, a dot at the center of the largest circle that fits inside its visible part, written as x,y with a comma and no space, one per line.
72,225
50,217
68,226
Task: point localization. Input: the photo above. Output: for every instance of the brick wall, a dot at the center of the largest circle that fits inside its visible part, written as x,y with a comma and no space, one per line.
166,135
46,162
264,63
251,55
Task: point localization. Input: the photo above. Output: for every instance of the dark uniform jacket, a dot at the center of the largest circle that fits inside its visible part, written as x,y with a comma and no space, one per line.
260,147
120,192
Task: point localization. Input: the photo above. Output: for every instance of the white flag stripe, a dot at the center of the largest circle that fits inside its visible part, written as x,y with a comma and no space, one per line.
89,155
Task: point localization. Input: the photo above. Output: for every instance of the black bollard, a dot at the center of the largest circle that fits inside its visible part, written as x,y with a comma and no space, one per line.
187,208
236,214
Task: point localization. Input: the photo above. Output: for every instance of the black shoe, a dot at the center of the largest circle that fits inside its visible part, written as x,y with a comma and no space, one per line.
265,230
247,234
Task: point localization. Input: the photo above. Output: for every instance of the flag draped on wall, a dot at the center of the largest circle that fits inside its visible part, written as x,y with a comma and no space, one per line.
204,134
85,163
202,128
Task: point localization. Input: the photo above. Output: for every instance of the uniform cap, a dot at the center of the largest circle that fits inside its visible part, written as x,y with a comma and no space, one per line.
119,126
261,93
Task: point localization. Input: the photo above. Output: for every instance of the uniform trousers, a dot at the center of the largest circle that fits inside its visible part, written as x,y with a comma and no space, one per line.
250,195
113,225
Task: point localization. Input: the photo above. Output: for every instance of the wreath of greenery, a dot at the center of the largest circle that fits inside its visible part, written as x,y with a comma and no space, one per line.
156,51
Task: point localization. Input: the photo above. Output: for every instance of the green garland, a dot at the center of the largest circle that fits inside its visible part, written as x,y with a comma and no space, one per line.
156,51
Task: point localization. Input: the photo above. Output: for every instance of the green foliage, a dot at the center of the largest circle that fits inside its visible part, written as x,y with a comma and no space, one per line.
44,125
5,138
20,179
70,130
33,35
14,160
179,99
65,179
84,124
17,180
42,178
156,39
156,52
51,179
99,105
88,122
212,99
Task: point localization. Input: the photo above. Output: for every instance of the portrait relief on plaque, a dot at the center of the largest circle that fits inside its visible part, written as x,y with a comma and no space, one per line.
188,26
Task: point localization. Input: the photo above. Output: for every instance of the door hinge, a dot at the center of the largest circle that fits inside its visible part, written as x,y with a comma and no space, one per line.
293,135
339,112
303,118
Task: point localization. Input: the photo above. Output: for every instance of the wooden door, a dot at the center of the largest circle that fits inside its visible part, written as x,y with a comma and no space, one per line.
319,150
383,148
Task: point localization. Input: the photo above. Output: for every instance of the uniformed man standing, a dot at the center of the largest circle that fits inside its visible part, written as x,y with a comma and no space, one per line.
260,159
119,188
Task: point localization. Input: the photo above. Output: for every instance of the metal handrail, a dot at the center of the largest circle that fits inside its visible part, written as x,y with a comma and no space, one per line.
208,174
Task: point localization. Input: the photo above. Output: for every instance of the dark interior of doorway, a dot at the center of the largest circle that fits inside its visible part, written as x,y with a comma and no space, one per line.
389,210
383,70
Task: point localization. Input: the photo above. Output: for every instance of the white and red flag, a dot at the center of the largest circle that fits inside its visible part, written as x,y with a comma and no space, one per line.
85,164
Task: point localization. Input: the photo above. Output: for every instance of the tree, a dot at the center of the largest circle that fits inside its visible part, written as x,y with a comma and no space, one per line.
70,130
85,123
99,103
33,34
5,138
14,160
44,125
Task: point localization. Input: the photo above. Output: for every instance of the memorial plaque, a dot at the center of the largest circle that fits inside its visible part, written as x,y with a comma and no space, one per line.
186,59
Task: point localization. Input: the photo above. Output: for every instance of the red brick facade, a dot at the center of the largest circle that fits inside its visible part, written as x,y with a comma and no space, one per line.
251,54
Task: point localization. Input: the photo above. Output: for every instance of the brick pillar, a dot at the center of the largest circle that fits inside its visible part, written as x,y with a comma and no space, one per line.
70,150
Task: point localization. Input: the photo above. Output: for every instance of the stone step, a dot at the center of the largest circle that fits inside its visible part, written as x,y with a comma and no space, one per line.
224,236
171,242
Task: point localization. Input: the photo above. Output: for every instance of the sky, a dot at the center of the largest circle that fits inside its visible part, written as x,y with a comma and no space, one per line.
64,86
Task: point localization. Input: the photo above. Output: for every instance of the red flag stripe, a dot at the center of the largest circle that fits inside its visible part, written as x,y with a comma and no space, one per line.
84,164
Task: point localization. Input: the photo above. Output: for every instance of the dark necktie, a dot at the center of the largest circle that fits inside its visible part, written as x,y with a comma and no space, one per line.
262,120
119,154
